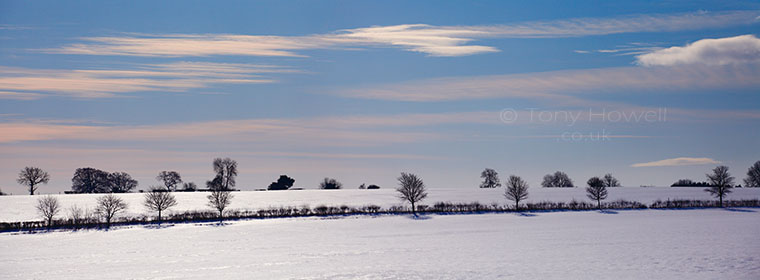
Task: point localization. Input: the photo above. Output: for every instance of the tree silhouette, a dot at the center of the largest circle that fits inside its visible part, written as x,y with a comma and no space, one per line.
557,180
490,178
219,200
683,182
159,200
411,189
226,171
189,187
753,176
121,182
596,190
32,177
215,184
721,183
48,207
283,183
170,179
108,206
90,180
610,181
330,184
516,190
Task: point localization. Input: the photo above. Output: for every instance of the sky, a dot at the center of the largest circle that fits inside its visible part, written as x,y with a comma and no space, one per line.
650,91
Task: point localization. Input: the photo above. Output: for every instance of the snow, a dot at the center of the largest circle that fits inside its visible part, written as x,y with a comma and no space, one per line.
21,207
633,244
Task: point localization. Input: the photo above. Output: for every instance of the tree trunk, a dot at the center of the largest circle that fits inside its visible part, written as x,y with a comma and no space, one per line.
517,205
159,216
31,189
599,203
720,201
413,213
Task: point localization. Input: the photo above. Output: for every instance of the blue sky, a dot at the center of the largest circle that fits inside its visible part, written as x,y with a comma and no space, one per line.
361,91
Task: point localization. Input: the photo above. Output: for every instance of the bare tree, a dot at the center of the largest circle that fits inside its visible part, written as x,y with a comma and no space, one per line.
517,190
108,206
721,183
330,184
490,179
159,200
753,176
31,177
557,180
219,200
76,215
610,181
121,182
411,189
596,190
48,207
226,171
170,179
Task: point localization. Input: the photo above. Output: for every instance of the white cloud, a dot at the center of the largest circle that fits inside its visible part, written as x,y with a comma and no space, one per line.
432,40
564,86
681,161
96,83
731,50
428,39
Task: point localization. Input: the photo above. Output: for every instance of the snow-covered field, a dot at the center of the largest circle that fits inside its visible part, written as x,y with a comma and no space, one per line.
21,207
634,244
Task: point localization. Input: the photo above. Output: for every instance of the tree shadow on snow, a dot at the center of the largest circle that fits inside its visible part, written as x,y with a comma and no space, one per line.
608,212
215,224
418,217
157,226
525,214
739,210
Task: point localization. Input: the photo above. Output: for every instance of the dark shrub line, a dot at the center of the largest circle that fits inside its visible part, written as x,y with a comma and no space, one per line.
324,211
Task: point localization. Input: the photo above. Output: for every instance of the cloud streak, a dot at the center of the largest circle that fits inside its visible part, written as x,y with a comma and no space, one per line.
723,51
357,130
423,38
681,161
563,86
26,84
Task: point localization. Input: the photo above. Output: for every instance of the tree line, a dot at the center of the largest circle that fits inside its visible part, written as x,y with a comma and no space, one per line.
719,183
91,180
411,188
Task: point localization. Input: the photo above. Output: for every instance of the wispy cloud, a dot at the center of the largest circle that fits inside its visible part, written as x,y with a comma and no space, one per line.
98,83
731,50
681,161
310,132
428,39
564,86
627,49
14,27
20,95
622,24
356,130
